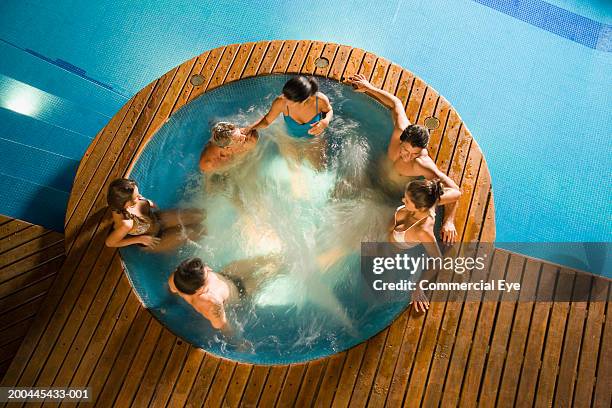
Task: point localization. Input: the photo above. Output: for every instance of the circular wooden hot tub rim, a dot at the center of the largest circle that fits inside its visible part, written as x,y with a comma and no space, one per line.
118,145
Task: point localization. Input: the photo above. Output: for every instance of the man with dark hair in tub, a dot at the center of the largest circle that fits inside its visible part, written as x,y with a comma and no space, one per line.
208,292
227,144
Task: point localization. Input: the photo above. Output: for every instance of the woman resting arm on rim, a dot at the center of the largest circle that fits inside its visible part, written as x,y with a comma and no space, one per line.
413,222
138,221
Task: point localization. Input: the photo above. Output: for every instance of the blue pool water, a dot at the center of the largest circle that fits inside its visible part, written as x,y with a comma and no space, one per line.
270,205
531,79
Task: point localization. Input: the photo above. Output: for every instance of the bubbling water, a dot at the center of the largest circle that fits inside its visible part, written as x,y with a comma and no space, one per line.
274,205
310,298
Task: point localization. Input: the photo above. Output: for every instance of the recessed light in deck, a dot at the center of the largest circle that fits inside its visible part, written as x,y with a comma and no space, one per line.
432,123
197,80
321,62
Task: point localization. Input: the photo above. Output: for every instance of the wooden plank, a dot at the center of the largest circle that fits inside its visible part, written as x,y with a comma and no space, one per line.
487,232
466,211
367,65
255,59
444,346
458,356
204,378
222,69
518,337
341,394
484,327
603,384
427,343
314,52
367,371
23,236
417,96
380,72
238,383
585,382
239,63
220,383
310,383
537,334
501,334
154,369
272,387
428,106
573,341
401,374
117,376
329,52
442,112
353,63
22,297
11,227
284,57
404,87
254,386
31,277
329,382
554,339
340,61
207,72
104,347
187,91
8,350
269,58
452,132
141,361
101,286
32,261
291,386
26,311
16,332
38,244
394,75
390,354
167,381
5,219
299,56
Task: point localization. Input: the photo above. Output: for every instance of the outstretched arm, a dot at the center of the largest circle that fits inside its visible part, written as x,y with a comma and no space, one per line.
361,84
268,118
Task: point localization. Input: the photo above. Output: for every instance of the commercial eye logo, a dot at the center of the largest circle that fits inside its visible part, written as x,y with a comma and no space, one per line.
462,268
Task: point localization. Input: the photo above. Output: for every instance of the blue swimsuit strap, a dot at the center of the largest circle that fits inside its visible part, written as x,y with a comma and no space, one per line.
316,116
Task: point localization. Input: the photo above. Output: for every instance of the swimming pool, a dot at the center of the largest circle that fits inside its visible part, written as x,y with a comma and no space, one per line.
304,310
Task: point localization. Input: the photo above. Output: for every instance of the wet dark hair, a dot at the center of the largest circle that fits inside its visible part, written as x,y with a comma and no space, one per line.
299,88
416,135
189,276
120,191
424,193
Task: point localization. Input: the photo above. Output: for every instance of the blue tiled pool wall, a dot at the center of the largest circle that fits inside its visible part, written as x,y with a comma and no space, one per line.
530,85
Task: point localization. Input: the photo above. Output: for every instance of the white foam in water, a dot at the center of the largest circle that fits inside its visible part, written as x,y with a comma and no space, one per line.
311,221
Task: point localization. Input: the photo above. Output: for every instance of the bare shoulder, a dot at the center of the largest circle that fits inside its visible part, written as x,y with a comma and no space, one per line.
122,223
425,231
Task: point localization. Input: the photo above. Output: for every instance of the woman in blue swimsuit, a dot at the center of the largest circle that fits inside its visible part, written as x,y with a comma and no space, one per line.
307,114
306,111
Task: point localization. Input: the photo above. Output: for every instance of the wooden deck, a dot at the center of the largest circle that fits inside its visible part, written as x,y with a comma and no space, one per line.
92,331
30,257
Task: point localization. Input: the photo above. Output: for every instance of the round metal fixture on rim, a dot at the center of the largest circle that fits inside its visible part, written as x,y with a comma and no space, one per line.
321,62
432,123
197,80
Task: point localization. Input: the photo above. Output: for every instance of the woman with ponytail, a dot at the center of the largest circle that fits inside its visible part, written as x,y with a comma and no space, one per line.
413,222
138,221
